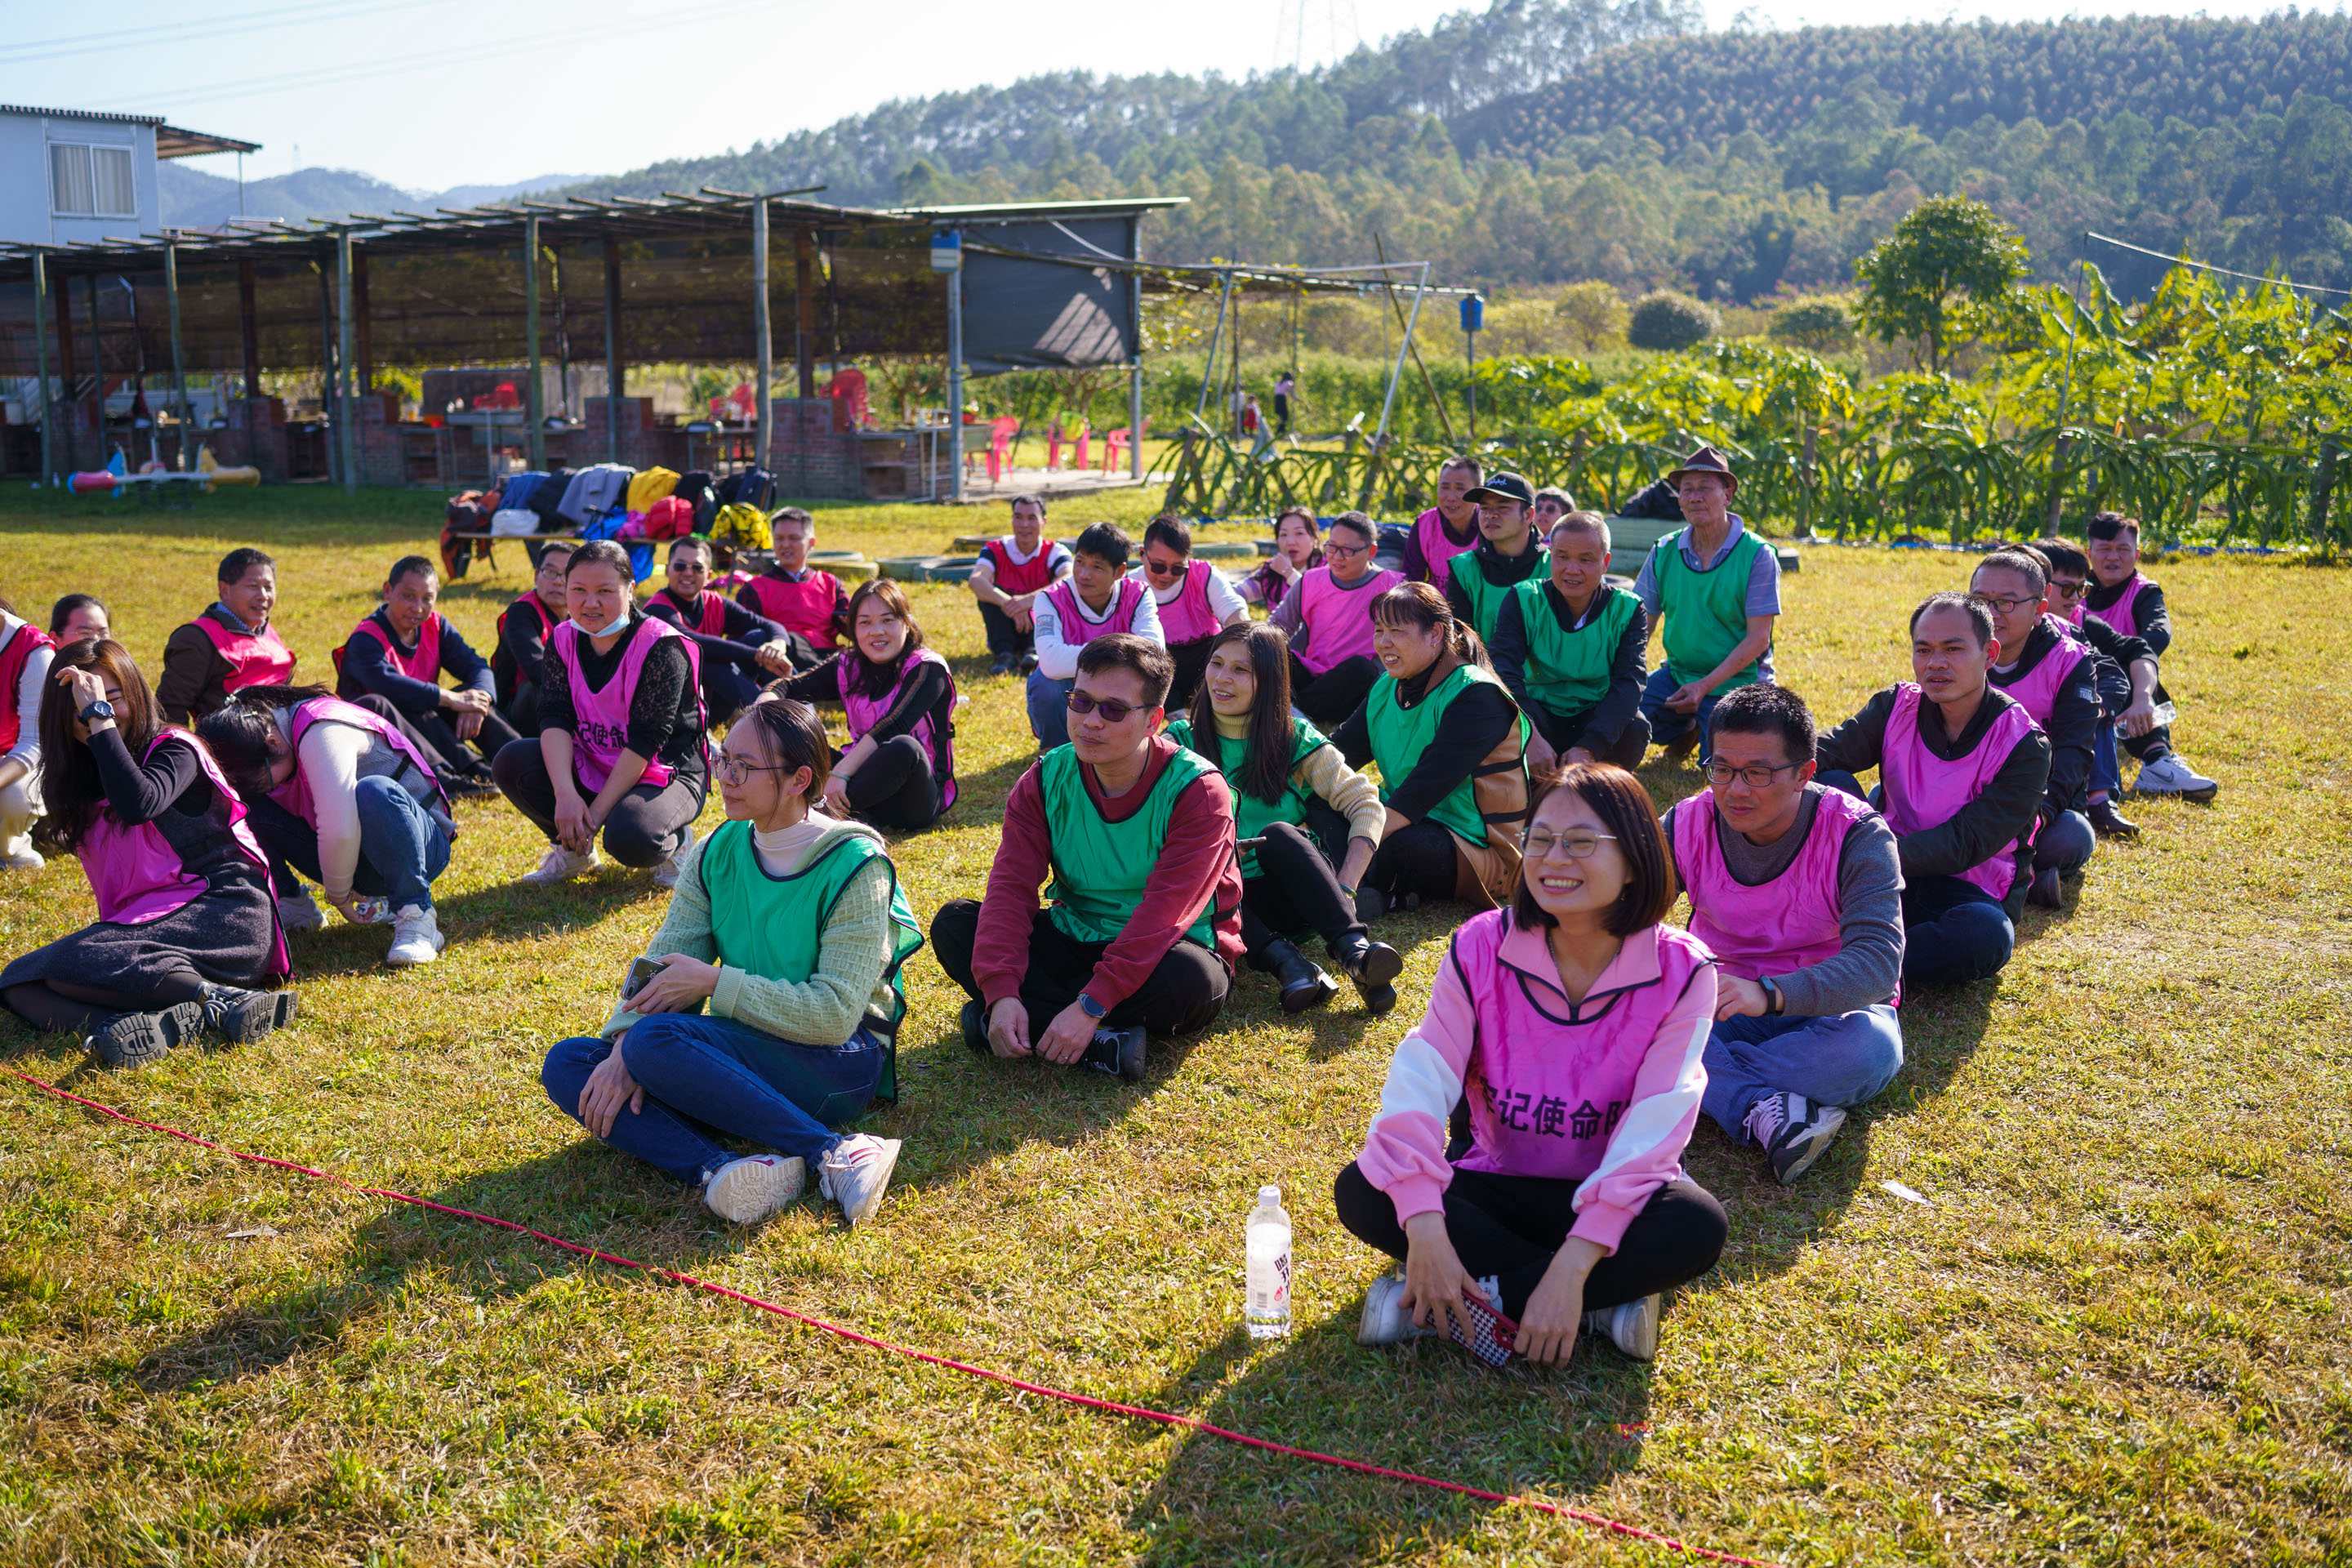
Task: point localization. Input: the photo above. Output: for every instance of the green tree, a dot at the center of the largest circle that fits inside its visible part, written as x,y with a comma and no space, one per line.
1592,312
1815,321
1666,321
1949,249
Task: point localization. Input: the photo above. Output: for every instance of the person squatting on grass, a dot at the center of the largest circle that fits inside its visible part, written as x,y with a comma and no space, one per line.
792,928
1096,600
401,651
230,646
1133,836
1452,750
1290,788
187,935
1010,574
1571,1026
1329,619
1573,648
2135,607
622,749
811,605
1711,589
341,796
1962,772
1192,600
898,772
1797,890
524,627
26,652
740,651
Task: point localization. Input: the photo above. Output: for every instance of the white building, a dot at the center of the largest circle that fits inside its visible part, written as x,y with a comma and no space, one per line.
79,174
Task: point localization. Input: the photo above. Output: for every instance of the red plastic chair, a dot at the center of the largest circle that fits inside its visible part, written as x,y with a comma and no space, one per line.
1114,445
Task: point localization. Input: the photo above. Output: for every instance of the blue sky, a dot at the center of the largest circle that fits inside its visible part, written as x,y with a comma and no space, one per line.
431,93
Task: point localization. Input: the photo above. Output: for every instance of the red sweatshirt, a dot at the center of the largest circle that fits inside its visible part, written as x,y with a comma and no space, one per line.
1198,860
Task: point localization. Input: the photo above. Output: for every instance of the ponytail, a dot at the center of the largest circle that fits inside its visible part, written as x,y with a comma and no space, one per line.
1421,606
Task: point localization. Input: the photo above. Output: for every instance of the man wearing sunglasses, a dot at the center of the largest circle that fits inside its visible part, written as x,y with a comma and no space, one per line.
1797,890
1132,838
1194,600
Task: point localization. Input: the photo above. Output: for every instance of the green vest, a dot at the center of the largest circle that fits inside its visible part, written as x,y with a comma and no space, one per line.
1399,734
772,926
1099,866
1252,814
1487,597
1568,671
1706,612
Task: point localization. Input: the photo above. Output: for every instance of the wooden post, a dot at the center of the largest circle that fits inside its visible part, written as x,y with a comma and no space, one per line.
613,370
96,375
1135,371
41,362
533,398
179,364
248,331
804,309
347,438
764,386
65,399
364,359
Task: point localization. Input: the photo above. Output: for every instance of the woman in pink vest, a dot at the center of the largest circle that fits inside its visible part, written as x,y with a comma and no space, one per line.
1329,619
228,648
1193,600
186,933
1962,771
898,772
1095,600
1571,1026
25,654
622,748
1298,550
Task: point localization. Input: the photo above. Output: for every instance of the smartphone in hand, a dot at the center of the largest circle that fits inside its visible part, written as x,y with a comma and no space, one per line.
643,970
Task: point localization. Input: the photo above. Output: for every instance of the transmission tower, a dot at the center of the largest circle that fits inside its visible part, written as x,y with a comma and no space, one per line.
1301,26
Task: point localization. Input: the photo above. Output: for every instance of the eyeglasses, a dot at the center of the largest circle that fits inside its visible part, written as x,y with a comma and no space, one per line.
732,769
2006,607
1113,712
1578,846
1754,775
1345,551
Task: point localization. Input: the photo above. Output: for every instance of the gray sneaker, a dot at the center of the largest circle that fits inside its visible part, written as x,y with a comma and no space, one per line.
1632,1327
1794,1131
748,1191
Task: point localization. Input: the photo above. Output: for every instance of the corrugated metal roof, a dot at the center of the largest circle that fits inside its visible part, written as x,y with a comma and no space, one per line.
171,141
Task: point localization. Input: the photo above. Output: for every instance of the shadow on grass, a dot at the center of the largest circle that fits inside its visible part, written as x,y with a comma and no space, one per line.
505,912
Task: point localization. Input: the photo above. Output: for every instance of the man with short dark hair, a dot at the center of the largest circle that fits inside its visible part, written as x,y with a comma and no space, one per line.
1194,601
809,604
1010,574
2135,607
742,649
1713,589
1098,599
229,646
1132,836
401,651
1508,553
524,627
1447,529
2128,687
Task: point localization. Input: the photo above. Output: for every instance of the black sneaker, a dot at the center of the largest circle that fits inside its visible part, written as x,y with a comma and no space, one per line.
2109,823
469,784
2045,893
238,1016
1371,904
1304,986
1794,1131
1002,664
974,1020
1679,749
1028,665
1373,966
1118,1053
136,1039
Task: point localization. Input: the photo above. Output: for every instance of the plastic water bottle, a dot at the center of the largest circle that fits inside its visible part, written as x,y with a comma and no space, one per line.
1268,1254
368,910
2166,714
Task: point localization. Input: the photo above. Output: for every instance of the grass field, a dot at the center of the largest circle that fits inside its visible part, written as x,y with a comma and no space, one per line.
2116,1333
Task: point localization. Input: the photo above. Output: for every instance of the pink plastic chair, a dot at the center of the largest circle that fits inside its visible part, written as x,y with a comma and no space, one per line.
1000,431
1086,433
1114,445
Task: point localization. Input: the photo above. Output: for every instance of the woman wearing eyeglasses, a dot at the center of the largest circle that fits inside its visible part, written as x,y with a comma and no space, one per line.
1451,746
1329,620
898,772
767,1007
1298,550
1193,599
1571,1024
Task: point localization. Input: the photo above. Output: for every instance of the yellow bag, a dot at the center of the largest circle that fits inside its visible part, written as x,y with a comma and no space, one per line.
743,526
650,486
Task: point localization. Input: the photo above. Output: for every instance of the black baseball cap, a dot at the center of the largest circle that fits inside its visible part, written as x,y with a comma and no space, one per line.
1503,487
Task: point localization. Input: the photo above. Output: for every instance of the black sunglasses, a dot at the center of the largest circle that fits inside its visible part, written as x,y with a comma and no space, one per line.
1113,712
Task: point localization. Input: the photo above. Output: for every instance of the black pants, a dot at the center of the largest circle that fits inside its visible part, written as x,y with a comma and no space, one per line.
894,790
1003,636
647,825
1422,860
1512,1226
726,690
1191,662
1183,994
1561,731
1330,698
1295,890
521,709
467,756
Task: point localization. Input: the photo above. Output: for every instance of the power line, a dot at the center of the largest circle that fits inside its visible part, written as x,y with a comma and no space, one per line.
33,51
2209,266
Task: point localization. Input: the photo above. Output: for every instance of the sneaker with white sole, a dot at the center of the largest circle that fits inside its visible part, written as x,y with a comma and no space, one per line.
1794,1131
562,865
855,1172
17,853
747,1191
1632,1327
1384,1321
415,937
298,912
2167,774
666,874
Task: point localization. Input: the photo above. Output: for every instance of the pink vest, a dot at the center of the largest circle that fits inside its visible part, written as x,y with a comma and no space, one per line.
1924,791
710,615
1019,576
864,713
2037,689
1789,922
806,607
12,670
294,795
601,719
255,658
1077,629
1544,1094
1337,621
137,877
423,665
1188,618
2121,614
1437,548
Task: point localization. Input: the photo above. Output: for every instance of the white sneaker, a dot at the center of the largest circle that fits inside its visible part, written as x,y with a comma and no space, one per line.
1632,1327
2167,774
560,865
666,875
18,855
855,1172
298,912
746,1191
1384,1321
415,937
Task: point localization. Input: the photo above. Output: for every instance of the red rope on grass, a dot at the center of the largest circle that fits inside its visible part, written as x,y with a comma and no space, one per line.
1140,1411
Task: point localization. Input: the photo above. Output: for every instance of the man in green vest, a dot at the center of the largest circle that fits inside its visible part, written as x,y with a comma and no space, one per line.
1508,553
1573,648
1715,589
1132,838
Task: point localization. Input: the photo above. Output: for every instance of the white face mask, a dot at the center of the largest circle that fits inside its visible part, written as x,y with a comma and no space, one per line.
620,625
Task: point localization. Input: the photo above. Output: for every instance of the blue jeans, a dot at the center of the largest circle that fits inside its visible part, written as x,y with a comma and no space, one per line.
2065,845
402,849
1953,933
2106,768
1049,710
705,1078
1666,725
1841,1059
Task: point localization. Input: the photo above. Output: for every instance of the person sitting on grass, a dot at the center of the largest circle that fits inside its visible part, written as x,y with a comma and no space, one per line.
401,651
1096,600
898,772
524,627
1451,746
2135,607
1010,575
341,796
2127,679
1193,599
622,748
1329,620
1133,837
811,605
26,652
1962,773
1285,775
76,616
1571,1024
1714,589
1298,550
186,937
740,651
1509,552
790,929
1573,648
229,646
1446,529
1798,892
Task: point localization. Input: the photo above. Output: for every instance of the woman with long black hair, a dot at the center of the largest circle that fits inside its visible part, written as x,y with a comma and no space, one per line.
898,772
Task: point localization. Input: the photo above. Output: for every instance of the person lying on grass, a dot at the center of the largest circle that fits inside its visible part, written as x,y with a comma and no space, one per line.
898,772
401,651
791,929
1571,1024
2135,607
1573,648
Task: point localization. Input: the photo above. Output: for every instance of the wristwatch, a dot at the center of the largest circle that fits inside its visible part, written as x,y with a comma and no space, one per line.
101,709
1092,1009
1773,1000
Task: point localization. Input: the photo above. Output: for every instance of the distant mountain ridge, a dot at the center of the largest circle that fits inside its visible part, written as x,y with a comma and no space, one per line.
197,200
